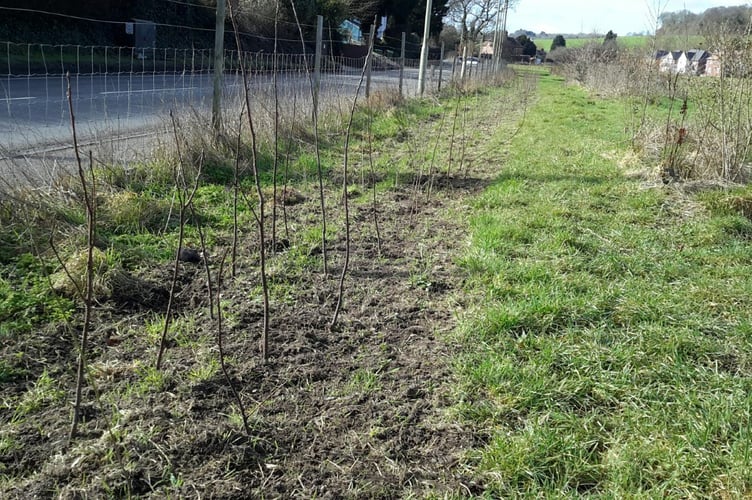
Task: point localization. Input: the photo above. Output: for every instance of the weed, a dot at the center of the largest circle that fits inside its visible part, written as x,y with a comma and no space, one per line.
45,392
205,370
150,380
363,381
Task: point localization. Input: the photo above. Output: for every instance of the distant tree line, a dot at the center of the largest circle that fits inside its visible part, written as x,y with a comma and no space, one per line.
255,17
734,19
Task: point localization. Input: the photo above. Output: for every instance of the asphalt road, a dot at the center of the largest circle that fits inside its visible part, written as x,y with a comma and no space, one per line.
34,112
124,117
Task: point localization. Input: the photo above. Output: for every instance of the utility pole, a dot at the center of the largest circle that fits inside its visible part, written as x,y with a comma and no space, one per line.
503,34
424,50
496,40
219,67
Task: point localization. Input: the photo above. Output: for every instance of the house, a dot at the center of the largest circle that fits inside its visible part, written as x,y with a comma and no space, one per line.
699,60
683,65
690,62
713,65
668,63
486,49
511,49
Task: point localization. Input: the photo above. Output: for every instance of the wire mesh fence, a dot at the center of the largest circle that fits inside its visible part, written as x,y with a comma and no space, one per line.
119,93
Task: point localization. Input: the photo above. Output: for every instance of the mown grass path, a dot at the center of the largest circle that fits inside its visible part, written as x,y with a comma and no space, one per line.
609,350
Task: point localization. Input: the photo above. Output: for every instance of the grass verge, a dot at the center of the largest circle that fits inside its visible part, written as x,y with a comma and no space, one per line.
609,351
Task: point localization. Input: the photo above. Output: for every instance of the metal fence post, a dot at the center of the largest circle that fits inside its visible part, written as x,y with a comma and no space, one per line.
369,59
402,63
464,63
441,66
317,63
219,66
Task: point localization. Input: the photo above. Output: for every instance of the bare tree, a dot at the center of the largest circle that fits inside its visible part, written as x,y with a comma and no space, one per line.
474,17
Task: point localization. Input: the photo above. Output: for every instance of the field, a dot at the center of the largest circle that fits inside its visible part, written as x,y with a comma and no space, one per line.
529,312
633,42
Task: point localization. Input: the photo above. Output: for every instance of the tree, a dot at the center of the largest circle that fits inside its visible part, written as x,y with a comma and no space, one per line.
610,37
450,37
405,16
528,46
559,41
473,17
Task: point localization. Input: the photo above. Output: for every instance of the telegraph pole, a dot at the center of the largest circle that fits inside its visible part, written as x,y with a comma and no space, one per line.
503,33
424,50
219,67
496,40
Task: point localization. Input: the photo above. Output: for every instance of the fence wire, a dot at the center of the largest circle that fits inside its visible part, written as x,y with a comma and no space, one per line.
121,91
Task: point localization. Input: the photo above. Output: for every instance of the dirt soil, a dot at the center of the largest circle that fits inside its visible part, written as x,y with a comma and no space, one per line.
359,411
363,410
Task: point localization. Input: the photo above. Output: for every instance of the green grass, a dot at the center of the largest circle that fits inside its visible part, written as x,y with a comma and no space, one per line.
632,42
610,353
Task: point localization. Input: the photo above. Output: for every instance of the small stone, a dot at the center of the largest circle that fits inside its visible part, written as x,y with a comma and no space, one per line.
189,255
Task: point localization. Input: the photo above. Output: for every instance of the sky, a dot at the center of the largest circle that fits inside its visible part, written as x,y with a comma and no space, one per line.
587,16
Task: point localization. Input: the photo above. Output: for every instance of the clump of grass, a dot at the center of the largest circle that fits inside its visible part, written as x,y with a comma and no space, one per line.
44,392
71,280
129,212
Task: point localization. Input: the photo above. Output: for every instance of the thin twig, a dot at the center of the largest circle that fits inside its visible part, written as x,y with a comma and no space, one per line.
184,200
89,200
319,170
373,182
259,194
220,346
341,287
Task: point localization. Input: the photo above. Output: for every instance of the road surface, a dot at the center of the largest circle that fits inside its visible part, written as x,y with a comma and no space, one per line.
130,111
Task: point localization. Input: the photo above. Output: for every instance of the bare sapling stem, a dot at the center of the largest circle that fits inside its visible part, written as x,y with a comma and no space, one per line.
431,173
235,189
454,131
90,206
319,171
221,349
373,183
204,250
345,202
276,128
463,144
184,198
205,254
259,194
286,173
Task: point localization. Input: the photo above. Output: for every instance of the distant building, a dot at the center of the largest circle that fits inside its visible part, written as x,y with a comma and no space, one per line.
699,62
511,50
690,62
667,60
713,65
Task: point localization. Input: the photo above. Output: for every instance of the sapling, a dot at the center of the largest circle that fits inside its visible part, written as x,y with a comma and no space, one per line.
221,349
319,170
184,199
341,287
259,194
89,200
